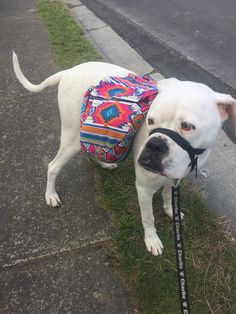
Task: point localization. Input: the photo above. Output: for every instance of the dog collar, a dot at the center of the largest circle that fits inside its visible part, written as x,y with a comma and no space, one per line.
184,144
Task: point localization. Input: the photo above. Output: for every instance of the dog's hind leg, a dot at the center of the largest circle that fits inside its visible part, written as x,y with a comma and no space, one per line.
69,101
64,155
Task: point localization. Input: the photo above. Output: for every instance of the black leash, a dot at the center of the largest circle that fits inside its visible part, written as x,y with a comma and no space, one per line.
179,247
177,226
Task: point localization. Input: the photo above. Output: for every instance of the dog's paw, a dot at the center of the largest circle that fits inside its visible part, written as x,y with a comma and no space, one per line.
105,165
169,212
53,199
153,243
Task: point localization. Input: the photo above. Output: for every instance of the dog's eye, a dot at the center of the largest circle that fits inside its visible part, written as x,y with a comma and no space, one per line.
150,121
185,126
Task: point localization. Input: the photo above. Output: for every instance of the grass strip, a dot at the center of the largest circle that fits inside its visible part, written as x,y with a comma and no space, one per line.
70,46
210,256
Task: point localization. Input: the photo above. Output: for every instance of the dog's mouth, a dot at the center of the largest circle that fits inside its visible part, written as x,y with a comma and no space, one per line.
151,166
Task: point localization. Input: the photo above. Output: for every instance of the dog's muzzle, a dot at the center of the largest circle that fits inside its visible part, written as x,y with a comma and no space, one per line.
157,147
151,157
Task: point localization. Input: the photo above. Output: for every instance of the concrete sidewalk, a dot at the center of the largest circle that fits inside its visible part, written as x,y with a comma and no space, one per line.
51,260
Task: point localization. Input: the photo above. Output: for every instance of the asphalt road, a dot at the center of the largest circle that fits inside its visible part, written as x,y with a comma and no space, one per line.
203,31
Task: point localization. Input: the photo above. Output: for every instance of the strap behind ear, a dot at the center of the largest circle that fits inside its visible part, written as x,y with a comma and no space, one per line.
229,130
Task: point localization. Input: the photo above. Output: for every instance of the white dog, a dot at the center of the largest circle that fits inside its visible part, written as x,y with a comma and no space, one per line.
192,110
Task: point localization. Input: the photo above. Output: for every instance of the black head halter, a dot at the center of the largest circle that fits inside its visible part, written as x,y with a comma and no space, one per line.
184,144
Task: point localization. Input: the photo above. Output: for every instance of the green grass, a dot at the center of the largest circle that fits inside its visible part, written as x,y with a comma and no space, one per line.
69,43
210,256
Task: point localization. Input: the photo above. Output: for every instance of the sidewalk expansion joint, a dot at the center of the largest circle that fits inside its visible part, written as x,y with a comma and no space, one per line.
73,3
72,6
63,252
97,28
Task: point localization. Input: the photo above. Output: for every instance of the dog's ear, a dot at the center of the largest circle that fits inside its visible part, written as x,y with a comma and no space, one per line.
227,109
226,106
162,84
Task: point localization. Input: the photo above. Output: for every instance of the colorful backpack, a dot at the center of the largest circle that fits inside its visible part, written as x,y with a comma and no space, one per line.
111,114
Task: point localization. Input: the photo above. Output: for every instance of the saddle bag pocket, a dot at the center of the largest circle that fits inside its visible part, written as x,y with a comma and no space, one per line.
110,118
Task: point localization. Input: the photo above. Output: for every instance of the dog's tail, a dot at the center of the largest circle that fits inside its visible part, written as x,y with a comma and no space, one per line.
51,80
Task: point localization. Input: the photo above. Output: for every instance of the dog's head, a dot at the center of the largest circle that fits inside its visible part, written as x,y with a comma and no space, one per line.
192,110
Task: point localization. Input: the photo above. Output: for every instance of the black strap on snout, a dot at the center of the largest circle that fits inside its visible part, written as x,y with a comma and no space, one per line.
183,143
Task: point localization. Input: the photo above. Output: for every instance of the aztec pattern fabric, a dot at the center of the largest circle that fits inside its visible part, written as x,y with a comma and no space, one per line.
111,114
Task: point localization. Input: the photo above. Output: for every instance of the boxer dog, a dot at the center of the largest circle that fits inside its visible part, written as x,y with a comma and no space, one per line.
192,111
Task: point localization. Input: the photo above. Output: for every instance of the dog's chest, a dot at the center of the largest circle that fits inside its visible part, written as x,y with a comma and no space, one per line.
111,114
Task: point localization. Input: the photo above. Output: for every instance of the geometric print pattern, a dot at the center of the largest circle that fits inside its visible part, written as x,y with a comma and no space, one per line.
111,114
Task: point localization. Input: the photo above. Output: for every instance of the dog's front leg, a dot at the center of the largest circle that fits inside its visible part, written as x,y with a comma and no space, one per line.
167,201
151,239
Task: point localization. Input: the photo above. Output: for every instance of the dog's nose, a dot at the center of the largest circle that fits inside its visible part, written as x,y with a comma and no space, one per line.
157,145
152,155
